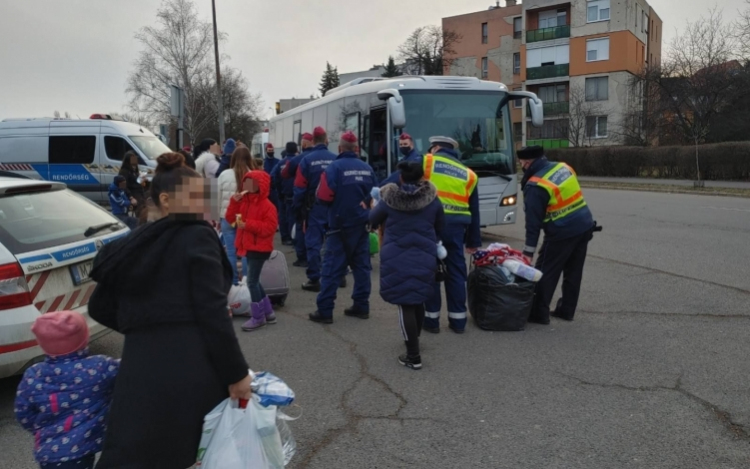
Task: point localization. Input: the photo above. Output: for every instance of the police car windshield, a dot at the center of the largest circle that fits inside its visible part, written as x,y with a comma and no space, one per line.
40,220
152,147
475,119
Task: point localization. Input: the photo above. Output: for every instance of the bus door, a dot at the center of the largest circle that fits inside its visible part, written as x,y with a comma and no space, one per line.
377,149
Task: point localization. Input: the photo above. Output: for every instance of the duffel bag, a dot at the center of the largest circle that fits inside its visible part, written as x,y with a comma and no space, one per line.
497,305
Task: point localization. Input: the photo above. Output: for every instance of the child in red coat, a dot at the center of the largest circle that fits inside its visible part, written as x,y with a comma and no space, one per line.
256,219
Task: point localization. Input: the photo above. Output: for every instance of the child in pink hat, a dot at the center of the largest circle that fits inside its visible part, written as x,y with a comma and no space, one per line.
64,400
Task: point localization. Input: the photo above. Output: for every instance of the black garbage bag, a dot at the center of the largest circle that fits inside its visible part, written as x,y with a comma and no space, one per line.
497,305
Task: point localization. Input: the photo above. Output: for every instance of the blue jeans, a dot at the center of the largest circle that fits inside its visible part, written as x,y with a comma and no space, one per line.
254,267
230,234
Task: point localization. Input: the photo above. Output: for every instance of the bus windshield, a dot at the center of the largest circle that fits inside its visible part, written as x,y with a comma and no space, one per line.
475,119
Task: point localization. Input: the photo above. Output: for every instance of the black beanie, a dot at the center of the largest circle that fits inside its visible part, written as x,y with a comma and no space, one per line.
291,148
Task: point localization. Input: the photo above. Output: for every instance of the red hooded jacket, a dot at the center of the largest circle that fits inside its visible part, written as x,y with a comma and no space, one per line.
258,214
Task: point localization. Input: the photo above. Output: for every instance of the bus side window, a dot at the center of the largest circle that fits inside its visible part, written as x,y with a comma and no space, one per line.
378,155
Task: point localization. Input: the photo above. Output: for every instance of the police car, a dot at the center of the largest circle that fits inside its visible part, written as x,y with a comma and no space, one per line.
49,236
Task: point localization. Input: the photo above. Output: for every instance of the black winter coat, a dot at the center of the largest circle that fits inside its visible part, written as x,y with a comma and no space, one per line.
164,286
135,189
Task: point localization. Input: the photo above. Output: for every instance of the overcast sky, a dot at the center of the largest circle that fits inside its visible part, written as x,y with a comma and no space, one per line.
74,55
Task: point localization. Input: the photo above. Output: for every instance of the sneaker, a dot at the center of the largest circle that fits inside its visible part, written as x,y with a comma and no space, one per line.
316,317
312,285
415,363
354,312
300,263
431,330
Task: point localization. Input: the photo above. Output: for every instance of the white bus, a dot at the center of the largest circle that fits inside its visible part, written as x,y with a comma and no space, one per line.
258,145
475,113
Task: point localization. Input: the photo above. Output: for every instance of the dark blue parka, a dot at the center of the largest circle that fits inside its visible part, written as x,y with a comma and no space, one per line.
413,217
345,187
394,177
277,181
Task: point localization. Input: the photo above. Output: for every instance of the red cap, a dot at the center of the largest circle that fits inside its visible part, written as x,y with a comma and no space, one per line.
307,136
405,136
269,146
319,132
349,136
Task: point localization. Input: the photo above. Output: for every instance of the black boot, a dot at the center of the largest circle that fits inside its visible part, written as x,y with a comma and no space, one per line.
300,263
311,285
415,363
316,317
355,312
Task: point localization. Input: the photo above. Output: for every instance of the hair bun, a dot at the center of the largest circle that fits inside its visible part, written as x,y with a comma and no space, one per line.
169,161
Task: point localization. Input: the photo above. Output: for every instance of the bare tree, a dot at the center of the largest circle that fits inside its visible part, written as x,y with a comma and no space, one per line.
241,108
428,49
581,114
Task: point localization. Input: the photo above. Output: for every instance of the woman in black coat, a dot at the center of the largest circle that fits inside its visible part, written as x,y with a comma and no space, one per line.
129,170
164,286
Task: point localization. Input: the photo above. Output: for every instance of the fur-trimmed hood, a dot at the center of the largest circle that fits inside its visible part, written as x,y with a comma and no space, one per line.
408,197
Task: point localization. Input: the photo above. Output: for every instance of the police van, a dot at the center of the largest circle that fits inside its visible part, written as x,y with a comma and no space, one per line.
85,154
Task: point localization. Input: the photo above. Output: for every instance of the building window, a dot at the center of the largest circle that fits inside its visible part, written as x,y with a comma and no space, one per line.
72,150
518,103
551,129
644,22
517,63
597,89
517,27
552,18
596,127
553,94
597,49
484,67
554,55
485,33
517,131
598,10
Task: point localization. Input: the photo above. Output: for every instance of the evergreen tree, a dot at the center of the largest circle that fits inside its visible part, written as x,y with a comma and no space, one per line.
330,79
391,70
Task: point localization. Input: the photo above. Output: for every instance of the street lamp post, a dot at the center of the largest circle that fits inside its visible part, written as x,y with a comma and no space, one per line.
219,103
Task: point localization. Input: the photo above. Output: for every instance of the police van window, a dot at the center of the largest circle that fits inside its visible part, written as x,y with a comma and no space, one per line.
116,147
150,146
72,149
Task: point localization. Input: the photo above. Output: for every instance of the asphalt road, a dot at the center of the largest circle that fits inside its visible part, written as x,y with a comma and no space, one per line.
653,373
669,182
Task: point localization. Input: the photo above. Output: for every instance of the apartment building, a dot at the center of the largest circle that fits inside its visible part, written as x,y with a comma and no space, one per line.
578,56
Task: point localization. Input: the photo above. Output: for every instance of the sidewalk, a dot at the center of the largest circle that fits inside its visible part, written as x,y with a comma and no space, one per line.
667,182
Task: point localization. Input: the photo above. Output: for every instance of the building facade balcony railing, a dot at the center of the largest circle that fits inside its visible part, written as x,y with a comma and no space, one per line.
555,109
547,34
547,71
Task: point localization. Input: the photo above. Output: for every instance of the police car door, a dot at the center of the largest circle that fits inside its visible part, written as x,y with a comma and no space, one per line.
73,157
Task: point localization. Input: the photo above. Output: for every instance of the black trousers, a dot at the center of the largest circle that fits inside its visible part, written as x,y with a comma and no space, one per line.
565,257
411,318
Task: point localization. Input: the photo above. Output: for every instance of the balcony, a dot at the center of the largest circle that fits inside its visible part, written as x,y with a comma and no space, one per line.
555,109
547,34
547,71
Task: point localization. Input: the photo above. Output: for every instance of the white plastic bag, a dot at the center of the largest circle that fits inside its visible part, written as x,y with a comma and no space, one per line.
235,443
239,300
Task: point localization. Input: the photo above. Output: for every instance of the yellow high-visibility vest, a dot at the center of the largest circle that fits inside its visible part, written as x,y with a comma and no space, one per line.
454,182
565,196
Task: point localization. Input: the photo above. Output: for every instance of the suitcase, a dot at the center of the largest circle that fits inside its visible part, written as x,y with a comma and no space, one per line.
275,278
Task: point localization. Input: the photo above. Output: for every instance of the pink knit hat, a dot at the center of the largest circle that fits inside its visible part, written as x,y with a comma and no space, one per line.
61,332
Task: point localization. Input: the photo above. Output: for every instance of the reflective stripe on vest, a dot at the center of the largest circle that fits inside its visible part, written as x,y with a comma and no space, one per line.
454,182
565,196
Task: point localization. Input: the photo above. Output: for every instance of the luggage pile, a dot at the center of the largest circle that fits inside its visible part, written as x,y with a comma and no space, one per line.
501,288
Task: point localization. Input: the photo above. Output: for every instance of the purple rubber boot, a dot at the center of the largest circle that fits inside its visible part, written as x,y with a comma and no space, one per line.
267,308
257,321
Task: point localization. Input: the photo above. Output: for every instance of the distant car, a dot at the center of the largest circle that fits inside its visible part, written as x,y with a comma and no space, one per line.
49,236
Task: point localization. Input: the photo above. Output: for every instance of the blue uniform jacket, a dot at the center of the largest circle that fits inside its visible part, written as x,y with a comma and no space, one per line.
412,216
224,163
473,231
345,187
269,163
118,200
277,182
535,202
64,402
289,173
394,177
311,167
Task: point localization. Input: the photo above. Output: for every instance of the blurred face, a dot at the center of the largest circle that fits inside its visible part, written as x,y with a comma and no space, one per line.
250,186
526,163
215,149
406,144
122,184
134,160
191,197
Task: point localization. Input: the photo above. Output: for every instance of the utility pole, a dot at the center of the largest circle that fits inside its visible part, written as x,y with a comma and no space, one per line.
219,103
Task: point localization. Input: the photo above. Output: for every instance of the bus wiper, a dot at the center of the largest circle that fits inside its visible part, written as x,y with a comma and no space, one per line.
92,230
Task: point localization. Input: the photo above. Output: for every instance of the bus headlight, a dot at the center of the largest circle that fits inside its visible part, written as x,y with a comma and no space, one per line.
510,200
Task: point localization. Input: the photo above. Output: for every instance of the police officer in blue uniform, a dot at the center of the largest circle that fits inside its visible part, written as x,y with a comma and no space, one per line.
294,217
311,167
554,203
408,152
345,190
284,188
